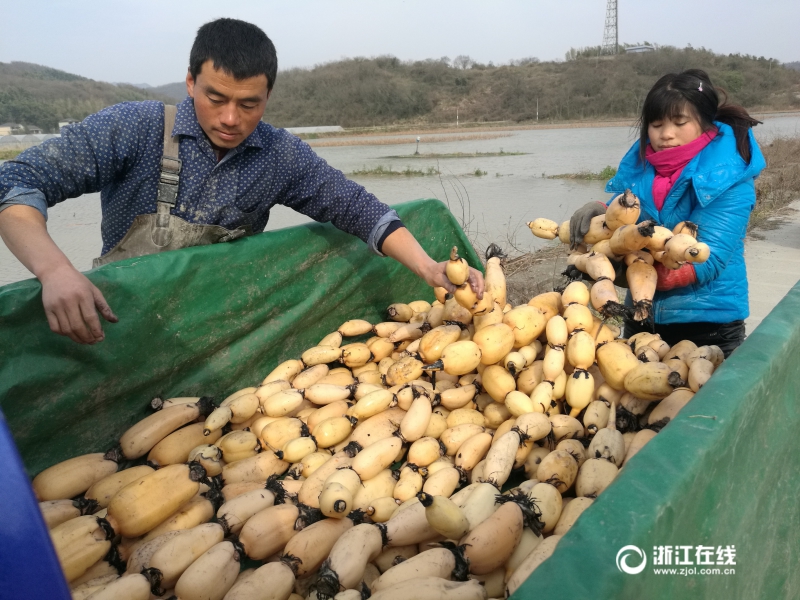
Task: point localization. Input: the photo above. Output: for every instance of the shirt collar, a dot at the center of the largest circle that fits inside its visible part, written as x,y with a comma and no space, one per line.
186,124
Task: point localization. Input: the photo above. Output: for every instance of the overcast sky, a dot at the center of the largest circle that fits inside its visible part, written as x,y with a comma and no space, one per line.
148,41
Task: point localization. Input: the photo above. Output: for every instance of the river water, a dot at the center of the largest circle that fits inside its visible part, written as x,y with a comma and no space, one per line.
492,208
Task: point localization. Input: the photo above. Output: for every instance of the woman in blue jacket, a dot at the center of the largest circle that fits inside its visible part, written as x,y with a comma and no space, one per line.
696,160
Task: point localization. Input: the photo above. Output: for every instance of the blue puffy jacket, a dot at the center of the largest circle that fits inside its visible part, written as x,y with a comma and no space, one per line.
716,190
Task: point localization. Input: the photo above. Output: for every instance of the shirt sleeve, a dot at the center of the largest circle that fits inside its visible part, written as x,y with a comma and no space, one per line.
86,158
25,197
324,194
388,223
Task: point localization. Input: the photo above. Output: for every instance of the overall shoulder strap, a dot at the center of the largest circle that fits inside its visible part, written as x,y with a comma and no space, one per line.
170,163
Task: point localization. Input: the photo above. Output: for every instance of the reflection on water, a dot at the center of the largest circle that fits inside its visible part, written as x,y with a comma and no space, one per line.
492,207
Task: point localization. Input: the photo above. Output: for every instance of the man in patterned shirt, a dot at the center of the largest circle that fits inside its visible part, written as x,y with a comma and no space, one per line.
212,177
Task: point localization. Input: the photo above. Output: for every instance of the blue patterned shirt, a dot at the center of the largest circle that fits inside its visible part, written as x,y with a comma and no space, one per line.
117,152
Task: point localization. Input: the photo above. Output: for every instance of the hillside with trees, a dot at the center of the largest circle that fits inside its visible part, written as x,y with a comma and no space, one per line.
35,95
365,92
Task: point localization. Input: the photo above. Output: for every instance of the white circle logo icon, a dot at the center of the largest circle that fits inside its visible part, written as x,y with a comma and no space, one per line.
622,560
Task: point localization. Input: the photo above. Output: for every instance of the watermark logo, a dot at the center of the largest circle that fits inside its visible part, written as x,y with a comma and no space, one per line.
627,552
679,560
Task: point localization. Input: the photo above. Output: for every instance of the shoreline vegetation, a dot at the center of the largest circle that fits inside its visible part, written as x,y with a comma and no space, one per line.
607,173
381,171
9,154
779,183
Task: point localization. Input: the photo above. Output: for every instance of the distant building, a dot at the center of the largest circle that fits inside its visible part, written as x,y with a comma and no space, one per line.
639,49
33,129
64,123
11,129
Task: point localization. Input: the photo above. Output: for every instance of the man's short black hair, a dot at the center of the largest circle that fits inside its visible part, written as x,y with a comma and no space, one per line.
239,48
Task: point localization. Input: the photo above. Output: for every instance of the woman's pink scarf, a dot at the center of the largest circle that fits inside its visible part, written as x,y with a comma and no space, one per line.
669,164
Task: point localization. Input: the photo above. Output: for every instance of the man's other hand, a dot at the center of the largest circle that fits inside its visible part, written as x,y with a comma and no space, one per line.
71,303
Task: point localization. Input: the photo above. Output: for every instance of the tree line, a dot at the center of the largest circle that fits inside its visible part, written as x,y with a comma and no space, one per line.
363,92
35,95
384,90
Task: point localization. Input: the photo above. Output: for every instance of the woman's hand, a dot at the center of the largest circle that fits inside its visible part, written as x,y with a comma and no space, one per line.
581,220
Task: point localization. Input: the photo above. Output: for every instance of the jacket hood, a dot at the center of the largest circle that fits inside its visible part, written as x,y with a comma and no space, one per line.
713,171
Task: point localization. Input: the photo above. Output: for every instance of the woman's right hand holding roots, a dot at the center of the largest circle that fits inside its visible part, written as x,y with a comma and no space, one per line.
580,221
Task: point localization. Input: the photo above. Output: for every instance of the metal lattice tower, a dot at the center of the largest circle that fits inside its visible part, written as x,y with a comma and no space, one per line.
610,36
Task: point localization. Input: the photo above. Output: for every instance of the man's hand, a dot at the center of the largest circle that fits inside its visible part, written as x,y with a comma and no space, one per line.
436,277
70,300
71,303
580,221
404,248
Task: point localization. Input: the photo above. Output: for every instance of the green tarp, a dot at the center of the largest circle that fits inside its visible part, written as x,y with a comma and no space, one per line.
721,474
202,321
215,319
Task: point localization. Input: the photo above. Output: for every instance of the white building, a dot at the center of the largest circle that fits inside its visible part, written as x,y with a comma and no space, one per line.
62,124
11,129
639,49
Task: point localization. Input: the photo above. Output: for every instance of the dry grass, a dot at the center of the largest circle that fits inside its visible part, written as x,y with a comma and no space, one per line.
779,184
381,171
9,154
534,273
607,173
368,141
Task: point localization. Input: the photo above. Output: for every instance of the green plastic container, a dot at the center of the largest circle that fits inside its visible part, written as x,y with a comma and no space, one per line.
722,474
211,320
201,321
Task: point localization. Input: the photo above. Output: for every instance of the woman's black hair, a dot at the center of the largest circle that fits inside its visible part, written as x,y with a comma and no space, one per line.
674,93
236,47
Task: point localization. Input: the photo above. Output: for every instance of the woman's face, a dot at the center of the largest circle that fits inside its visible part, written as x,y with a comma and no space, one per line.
671,132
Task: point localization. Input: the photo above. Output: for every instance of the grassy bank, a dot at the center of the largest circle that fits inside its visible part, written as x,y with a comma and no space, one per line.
381,171
9,154
779,184
607,173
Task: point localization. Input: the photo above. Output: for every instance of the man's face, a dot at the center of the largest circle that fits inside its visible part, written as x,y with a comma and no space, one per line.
227,109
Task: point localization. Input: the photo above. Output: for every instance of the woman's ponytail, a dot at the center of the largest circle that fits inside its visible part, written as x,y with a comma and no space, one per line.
741,123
